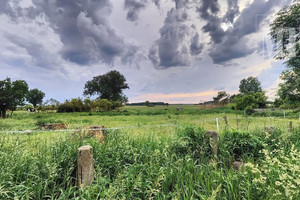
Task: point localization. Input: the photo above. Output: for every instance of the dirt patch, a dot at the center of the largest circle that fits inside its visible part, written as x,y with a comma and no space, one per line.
54,126
97,131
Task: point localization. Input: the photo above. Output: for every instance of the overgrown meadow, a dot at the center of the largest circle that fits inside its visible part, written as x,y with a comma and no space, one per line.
153,153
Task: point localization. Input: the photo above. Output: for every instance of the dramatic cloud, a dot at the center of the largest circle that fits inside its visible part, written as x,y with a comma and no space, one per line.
40,55
82,27
233,43
196,47
232,11
178,41
208,11
135,6
187,49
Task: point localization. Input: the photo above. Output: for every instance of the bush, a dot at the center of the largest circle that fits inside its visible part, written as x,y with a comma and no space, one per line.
240,145
249,110
104,105
192,141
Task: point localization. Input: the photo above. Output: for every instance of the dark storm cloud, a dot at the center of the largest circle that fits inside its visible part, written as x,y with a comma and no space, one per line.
82,27
232,11
181,3
37,51
208,11
174,48
13,10
178,41
135,6
196,47
233,43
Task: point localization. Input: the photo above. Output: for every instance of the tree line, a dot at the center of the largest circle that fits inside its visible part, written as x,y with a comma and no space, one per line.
250,96
108,87
14,93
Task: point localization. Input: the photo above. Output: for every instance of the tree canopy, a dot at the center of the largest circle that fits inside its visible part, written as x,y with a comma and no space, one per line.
251,100
285,31
250,84
35,97
251,95
12,94
108,86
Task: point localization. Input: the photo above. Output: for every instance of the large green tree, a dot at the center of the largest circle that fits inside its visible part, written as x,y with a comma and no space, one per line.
251,95
251,100
107,86
250,84
285,33
12,94
35,97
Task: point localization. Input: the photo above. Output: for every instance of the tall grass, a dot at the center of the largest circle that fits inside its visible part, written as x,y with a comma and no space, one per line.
153,165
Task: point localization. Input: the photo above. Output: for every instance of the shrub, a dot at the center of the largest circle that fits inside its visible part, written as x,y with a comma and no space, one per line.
249,110
240,145
192,141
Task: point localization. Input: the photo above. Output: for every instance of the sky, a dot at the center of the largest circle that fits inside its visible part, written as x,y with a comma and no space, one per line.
176,51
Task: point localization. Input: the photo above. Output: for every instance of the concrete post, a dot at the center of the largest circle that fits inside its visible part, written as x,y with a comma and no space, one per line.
85,171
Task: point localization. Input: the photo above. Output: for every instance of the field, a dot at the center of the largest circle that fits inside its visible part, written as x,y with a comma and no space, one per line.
153,153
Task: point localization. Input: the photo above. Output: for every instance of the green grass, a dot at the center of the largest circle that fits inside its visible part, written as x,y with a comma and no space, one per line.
145,161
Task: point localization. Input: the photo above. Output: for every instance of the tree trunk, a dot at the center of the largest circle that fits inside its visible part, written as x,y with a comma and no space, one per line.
3,112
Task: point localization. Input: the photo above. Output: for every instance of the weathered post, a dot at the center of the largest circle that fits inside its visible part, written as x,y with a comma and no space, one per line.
85,171
217,121
226,122
237,120
214,136
291,126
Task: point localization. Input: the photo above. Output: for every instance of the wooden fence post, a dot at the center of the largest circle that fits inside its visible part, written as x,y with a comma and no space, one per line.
226,122
291,126
214,136
85,171
237,120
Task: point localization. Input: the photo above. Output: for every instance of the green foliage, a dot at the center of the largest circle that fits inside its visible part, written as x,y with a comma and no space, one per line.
284,32
74,105
250,85
278,102
12,94
249,110
104,105
289,90
42,121
167,162
51,104
240,145
88,105
251,101
279,171
35,97
108,86
193,142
